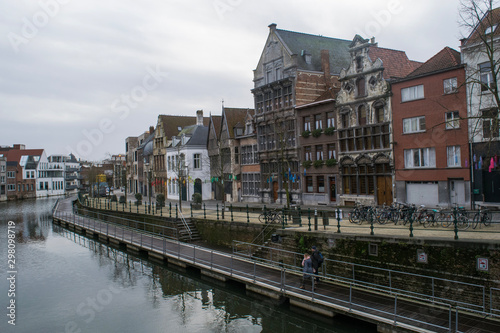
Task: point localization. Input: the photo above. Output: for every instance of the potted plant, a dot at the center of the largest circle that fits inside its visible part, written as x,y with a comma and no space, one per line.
122,199
318,163
196,201
330,130
113,198
307,164
138,198
160,200
306,134
317,132
331,162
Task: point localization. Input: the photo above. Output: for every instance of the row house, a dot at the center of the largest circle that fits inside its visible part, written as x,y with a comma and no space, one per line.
481,59
291,72
135,162
25,177
430,133
225,150
3,177
318,142
167,127
250,180
364,117
188,164
119,162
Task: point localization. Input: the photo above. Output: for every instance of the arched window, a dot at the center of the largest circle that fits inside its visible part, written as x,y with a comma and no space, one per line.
379,113
361,115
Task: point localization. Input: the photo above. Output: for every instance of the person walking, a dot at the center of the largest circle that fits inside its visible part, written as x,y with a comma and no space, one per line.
316,260
307,270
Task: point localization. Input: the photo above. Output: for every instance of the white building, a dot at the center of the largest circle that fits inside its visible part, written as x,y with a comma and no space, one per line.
50,175
188,164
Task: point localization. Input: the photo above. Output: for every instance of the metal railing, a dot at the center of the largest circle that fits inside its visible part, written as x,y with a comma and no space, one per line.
433,289
186,226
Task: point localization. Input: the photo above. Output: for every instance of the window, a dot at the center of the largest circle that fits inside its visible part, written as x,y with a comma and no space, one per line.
452,120
309,184
450,85
307,123
307,153
11,174
330,119
2,179
319,152
413,125
344,117
360,85
453,156
197,161
362,115
11,187
287,96
490,124
490,29
321,184
420,158
412,93
250,183
318,122
331,151
379,113
486,76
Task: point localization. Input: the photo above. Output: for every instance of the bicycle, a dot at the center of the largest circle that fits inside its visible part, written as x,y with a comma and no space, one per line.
270,216
460,215
482,216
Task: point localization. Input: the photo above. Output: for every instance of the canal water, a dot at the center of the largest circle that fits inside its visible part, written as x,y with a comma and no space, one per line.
58,281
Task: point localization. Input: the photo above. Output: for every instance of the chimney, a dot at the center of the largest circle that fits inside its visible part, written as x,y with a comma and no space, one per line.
19,147
272,26
151,129
199,117
325,65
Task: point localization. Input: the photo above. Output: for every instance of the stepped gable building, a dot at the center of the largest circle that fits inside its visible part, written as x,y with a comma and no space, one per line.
431,147
167,126
364,118
481,59
214,127
294,69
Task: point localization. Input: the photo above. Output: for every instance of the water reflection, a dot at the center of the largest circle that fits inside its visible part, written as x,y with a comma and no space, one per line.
198,306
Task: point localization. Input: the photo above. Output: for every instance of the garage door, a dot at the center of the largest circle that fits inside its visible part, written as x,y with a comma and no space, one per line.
422,194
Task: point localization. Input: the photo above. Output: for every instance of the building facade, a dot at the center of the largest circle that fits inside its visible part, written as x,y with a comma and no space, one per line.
430,133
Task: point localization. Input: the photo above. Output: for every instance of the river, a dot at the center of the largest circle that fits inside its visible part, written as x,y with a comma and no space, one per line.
58,281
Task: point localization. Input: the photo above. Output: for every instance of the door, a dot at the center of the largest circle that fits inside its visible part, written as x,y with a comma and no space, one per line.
333,190
275,191
457,191
384,190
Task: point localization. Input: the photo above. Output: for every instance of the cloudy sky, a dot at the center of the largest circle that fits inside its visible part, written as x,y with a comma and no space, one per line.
81,76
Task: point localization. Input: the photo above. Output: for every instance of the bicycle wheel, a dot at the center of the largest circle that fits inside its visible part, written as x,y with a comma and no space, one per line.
445,219
429,221
462,222
475,220
263,218
486,219
278,217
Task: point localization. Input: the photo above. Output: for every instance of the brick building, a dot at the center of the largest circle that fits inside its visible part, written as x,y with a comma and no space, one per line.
430,133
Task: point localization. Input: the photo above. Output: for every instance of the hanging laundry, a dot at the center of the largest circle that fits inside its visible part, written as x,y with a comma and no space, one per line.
474,158
480,162
492,164
466,164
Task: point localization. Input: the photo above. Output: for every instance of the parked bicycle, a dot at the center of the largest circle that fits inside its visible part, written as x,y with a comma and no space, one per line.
483,216
271,216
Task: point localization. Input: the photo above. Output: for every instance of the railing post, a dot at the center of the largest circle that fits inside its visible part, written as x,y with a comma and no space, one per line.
411,221
265,215
371,223
191,206
338,220
283,218
309,217
170,209
300,217
248,216
205,212
455,222
176,212
217,209
395,309
130,206
231,209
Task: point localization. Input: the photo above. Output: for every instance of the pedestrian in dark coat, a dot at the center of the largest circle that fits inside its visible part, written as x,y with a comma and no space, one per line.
315,258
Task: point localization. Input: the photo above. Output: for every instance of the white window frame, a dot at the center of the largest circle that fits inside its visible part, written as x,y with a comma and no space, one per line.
450,85
196,161
11,174
452,120
414,125
11,187
412,93
485,76
453,156
420,158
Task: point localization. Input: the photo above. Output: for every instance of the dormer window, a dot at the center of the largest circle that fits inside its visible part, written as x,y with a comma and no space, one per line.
238,131
490,29
359,64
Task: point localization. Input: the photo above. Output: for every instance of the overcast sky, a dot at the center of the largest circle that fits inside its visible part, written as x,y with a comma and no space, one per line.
81,76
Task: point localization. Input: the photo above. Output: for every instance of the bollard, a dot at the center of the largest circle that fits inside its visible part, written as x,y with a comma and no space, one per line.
455,222
371,224
170,209
309,217
338,220
315,219
176,210
191,205
130,206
